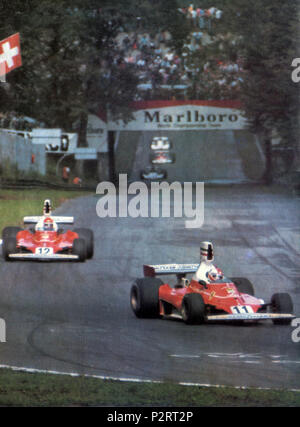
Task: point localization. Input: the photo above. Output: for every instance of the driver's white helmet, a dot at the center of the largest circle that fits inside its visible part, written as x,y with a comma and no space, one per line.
206,252
48,224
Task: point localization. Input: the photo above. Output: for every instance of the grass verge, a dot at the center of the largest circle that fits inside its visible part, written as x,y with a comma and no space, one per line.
15,204
41,389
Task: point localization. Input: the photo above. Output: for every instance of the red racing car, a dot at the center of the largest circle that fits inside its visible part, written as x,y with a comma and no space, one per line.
162,157
46,242
198,302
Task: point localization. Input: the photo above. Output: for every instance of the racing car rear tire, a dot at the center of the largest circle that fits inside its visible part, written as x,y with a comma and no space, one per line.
88,236
244,286
10,232
193,309
79,248
9,246
144,297
282,303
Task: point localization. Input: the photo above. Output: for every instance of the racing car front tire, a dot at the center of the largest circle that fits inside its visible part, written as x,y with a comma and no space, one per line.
10,232
144,297
79,248
9,246
244,286
193,309
282,303
88,236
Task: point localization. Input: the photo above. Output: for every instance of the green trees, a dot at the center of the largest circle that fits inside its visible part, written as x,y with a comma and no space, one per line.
64,44
268,40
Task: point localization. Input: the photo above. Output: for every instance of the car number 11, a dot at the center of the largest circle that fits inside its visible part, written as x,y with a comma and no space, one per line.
241,309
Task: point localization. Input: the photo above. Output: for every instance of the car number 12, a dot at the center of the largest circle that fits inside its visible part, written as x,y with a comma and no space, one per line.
44,251
241,309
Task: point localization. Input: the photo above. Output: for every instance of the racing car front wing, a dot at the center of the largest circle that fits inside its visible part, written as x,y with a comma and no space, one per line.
250,316
237,317
62,257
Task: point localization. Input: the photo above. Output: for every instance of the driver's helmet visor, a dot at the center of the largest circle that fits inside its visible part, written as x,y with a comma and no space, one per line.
48,226
210,253
207,253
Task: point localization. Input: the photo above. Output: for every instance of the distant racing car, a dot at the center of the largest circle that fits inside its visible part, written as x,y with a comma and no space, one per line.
152,173
46,242
200,302
160,143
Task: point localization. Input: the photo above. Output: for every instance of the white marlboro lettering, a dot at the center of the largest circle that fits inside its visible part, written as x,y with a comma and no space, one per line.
189,117
181,115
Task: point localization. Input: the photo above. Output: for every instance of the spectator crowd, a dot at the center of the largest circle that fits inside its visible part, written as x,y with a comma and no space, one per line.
202,18
201,70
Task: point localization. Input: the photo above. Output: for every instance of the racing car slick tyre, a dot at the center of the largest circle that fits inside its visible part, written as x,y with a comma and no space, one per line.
244,286
10,232
88,236
144,299
193,309
9,246
79,248
282,303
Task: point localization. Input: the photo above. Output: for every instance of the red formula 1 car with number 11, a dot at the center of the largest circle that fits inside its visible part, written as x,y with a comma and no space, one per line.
46,241
208,296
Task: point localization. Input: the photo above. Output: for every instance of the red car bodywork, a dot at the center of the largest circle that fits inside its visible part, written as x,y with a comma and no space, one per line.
58,242
162,157
222,296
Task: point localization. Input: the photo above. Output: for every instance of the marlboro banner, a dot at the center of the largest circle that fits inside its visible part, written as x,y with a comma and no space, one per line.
183,115
10,54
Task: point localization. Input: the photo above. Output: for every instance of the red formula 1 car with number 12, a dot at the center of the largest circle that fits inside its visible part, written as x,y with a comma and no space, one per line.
208,296
45,241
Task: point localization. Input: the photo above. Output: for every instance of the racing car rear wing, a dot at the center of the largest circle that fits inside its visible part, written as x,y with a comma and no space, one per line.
57,219
161,269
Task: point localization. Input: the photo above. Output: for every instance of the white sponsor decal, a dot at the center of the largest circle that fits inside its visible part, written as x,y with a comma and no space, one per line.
241,309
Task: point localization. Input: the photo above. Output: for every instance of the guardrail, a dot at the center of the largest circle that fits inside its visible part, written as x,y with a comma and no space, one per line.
22,184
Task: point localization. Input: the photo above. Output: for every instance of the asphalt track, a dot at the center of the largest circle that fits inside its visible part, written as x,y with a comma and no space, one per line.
76,317
213,156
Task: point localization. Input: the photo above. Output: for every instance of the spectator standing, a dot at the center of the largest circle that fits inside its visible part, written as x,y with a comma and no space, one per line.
201,19
65,174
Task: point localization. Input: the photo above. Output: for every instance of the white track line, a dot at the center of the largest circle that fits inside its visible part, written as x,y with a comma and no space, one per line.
135,380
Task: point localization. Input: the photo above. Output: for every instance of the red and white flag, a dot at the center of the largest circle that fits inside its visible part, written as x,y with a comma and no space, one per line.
10,54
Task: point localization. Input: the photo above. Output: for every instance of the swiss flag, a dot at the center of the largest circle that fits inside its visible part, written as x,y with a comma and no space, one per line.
10,54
